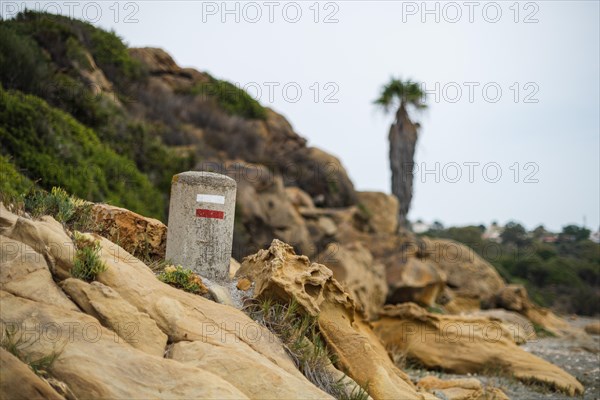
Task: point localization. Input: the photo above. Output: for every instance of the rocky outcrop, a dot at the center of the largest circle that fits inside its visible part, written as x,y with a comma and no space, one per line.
96,365
515,298
19,382
46,237
463,345
265,211
415,280
24,273
353,266
520,327
171,96
138,235
467,273
113,312
242,369
115,347
279,273
381,210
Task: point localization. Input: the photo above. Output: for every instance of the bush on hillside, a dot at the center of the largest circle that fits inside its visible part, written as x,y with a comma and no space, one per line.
49,145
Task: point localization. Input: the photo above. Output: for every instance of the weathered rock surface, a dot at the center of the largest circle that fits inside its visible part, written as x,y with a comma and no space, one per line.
382,210
520,327
460,389
108,307
515,298
280,273
19,382
184,316
467,273
25,273
115,347
135,233
45,236
96,365
353,266
466,345
415,280
253,374
265,210
593,328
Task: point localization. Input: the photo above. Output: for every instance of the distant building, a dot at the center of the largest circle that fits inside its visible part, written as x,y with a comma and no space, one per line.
420,227
550,238
493,233
595,237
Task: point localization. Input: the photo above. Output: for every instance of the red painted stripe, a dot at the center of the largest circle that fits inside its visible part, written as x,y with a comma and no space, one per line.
203,213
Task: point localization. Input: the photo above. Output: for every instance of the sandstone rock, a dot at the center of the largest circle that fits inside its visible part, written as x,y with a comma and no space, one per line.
382,210
184,316
463,345
265,210
221,294
108,307
243,369
45,236
353,266
97,365
278,272
593,328
299,198
515,298
520,327
138,235
457,303
327,226
467,273
244,284
24,273
460,389
415,280
321,175
19,382
233,267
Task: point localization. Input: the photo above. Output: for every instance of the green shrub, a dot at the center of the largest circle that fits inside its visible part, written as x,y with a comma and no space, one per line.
230,98
22,63
182,278
87,264
68,210
53,147
13,184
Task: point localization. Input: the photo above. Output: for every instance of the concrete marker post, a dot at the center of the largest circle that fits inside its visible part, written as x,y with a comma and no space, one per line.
201,216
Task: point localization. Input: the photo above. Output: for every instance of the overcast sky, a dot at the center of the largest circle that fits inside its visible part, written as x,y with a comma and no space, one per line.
513,89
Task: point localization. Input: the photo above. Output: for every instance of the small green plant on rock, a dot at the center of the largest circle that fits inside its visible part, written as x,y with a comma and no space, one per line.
183,278
87,264
68,210
13,342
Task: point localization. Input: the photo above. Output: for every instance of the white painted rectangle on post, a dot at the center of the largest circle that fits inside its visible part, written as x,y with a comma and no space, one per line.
210,198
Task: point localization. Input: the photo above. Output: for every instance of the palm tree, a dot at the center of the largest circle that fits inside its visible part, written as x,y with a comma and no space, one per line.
403,138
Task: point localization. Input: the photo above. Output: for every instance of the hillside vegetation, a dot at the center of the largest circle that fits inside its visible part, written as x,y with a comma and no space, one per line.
564,275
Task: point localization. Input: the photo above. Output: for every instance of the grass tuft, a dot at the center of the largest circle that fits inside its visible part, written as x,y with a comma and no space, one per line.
71,211
300,336
182,278
14,344
87,264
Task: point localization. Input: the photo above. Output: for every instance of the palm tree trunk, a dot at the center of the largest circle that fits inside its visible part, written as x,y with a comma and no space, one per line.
403,140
